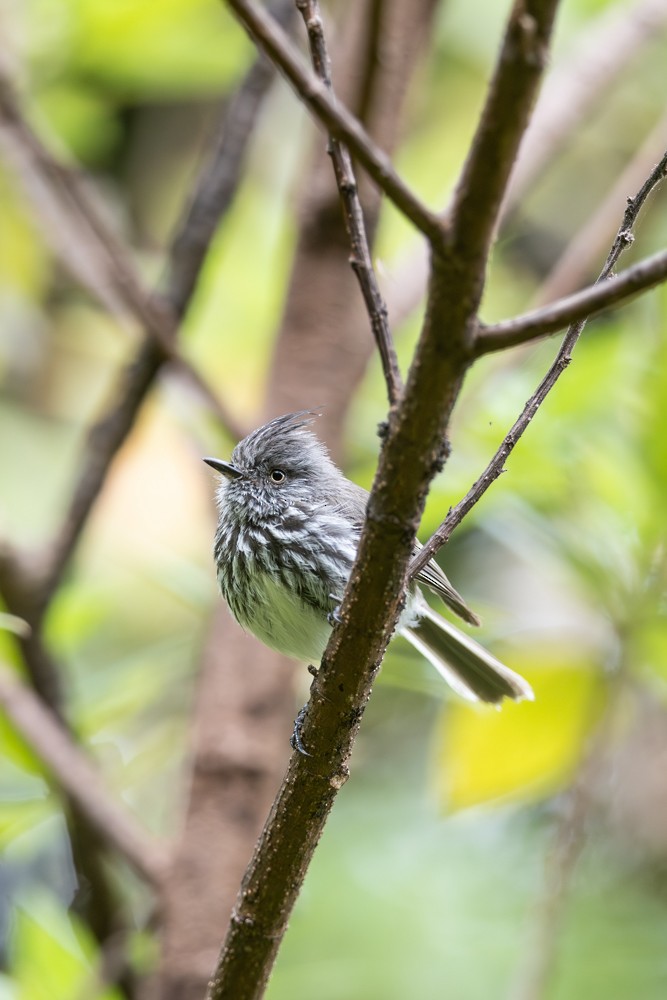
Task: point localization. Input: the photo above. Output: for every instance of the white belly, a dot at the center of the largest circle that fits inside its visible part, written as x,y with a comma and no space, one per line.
283,622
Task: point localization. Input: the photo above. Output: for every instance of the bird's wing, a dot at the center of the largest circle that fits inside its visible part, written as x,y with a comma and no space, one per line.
352,504
351,501
435,579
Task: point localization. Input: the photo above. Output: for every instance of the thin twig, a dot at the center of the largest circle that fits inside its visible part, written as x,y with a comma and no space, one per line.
581,306
335,118
569,841
360,261
567,845
79,777
495,467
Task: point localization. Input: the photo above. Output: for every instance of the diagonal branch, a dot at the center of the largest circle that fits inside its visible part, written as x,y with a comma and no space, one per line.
27,588
623,239
79,778
212,198
360,260
573,308
336,118
86,244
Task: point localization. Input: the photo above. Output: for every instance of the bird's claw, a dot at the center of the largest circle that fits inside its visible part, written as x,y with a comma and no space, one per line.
334,617
295,739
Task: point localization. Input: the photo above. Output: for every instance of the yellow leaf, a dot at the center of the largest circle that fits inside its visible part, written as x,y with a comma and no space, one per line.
526,750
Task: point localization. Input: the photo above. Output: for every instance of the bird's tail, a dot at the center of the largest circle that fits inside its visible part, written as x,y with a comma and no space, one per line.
466,666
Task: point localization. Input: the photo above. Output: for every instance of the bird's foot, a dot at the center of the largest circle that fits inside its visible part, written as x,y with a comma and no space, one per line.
334,617
295,739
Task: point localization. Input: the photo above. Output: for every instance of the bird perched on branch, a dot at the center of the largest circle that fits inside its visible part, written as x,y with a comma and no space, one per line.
288,530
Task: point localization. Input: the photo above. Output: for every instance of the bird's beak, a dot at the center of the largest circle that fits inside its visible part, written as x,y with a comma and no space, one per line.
224,468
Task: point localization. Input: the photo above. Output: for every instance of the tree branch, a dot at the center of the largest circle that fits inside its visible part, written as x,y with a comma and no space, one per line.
411,454
582,78
79,777
27,586
573,308
212,198
336,118
495,467
361,261
87,245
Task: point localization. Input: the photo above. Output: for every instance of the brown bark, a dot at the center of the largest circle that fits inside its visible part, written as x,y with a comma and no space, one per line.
246,703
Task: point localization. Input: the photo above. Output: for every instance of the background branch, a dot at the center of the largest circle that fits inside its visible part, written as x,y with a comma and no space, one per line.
212,198
28,582
575,266
220,179
611,42
360,260
80,778
88,246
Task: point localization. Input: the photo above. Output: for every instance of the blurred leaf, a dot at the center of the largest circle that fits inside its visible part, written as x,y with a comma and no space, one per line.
176,47
525,750
12,623
7,991
85,122
18,818
14,749
23,257
51,954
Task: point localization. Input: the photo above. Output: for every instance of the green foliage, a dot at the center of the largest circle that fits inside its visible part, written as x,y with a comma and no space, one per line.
53,956
564,556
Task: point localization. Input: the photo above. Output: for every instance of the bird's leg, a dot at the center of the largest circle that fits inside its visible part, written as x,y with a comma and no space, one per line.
295,739
334,617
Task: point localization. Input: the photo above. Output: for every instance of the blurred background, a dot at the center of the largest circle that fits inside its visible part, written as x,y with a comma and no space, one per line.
473,853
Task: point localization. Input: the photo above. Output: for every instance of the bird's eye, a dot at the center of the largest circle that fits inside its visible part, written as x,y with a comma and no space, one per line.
277,476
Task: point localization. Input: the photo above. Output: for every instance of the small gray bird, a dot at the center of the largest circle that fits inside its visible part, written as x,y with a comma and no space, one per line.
288,530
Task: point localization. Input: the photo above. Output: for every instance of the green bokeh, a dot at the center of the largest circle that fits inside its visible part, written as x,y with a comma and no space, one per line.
402,900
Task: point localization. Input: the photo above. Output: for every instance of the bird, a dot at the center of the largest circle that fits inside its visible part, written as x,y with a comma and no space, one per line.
289,524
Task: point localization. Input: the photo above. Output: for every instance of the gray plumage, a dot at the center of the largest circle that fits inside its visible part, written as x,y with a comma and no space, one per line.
289,525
